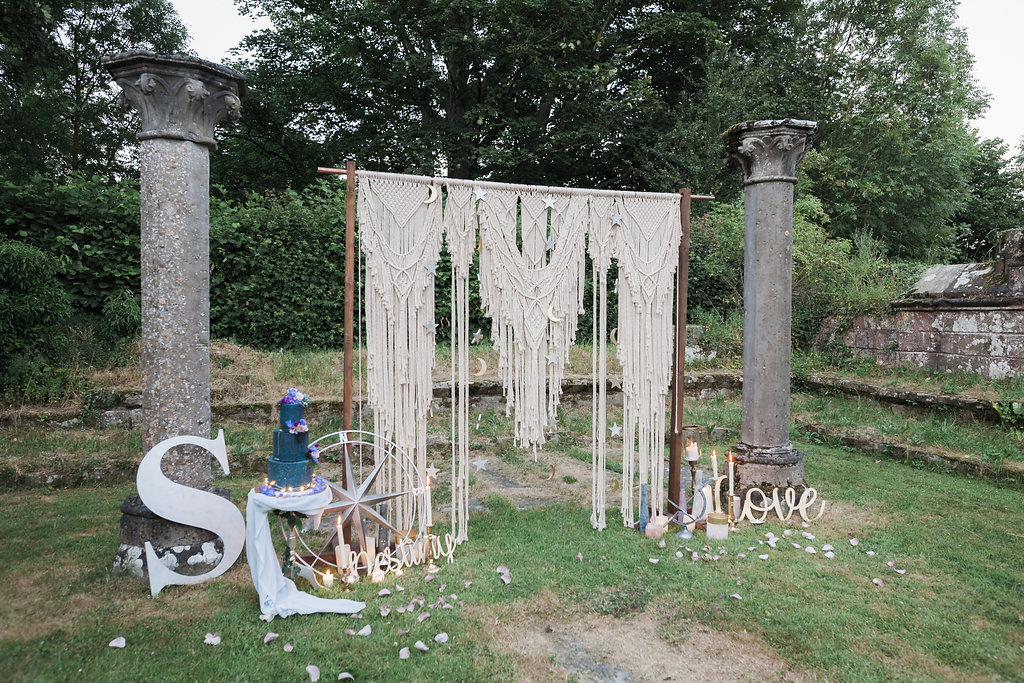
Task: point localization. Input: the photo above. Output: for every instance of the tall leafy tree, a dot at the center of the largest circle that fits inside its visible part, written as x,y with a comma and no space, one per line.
994,203
546,91
57,103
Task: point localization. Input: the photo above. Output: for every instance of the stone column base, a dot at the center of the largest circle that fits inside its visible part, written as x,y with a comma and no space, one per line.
185,549
768,468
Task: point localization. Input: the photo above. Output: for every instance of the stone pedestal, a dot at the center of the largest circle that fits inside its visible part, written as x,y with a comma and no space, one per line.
180,100
767,152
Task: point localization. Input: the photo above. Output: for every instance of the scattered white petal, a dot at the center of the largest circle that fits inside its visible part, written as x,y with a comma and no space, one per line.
827,546
421,646
762,557
716,558
869,553
384,592
346,676
403,653
424,616
118,642
810,549
878,582
751,548
365,631
269,637
403,632
267,617
760,542
830,554
900,571
679,554
349,632
428,578
399,588
854,541
212,639
736,596
385,610
787,533
809,536
470,583
314,673
357,616
772,543
890,563
652,560
796,545
504,575
288,647
441,638
400,609
741,555
805,525
661,543
694,556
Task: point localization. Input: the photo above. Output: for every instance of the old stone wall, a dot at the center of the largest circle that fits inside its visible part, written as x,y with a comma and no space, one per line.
986,340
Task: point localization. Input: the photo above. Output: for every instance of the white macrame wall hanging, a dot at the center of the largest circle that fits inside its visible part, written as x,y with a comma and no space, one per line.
533,294
400,234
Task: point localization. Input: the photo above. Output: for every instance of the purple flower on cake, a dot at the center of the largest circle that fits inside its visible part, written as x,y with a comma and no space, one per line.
294,396
314,453
296,426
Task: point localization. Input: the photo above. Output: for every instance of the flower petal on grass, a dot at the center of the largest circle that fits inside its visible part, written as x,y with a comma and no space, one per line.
423,617
827,547
441,638
762,557
314,673
421,646
267,617
878,582
737,596
869,553
384,592
385,610
810,549
854,542
505,576
652,560
403,632
403,653
900,571
365,631
288,647
269,637
346,676
830,554
118,643
808,536
212,639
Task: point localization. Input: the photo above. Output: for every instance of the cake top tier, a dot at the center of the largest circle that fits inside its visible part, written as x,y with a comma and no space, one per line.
291,407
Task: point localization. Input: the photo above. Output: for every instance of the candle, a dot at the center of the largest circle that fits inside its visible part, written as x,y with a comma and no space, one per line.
427,503
732,478
692,453
371,552
714,465
718,526
328,579
341,552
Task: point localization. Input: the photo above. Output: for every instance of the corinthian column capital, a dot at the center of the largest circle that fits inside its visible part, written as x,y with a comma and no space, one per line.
179,97
768,151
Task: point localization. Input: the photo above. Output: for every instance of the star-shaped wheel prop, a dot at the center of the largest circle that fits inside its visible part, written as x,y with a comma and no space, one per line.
355,503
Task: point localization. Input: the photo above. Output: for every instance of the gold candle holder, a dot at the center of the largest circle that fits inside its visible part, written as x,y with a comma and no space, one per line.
732,521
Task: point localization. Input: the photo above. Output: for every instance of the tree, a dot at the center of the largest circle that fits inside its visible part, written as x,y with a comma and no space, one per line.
993,205
56,101
547,91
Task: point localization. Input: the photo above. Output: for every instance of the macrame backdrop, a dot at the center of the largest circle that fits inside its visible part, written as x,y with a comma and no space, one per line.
532,272
534,296
400,235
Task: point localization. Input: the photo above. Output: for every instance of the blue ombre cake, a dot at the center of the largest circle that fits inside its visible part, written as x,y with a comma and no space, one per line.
290,466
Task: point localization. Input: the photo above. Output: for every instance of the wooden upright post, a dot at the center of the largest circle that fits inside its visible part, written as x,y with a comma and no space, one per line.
675,446
350,285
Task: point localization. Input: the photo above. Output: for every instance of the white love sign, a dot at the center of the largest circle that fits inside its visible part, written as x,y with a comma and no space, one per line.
783,508
187,505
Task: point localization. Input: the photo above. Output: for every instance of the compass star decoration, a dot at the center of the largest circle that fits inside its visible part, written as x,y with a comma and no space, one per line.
356,503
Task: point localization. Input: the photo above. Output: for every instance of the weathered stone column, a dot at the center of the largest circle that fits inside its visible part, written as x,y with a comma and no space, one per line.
767,152
180,99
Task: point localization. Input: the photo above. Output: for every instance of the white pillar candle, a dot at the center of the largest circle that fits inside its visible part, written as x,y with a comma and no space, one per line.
714,465
328,579
428,504
692,452
371,551
342,552
732,477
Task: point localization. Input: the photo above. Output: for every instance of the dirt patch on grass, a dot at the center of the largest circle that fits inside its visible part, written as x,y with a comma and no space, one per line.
553,642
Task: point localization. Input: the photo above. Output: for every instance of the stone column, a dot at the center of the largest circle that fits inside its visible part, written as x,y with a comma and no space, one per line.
767,152
180,99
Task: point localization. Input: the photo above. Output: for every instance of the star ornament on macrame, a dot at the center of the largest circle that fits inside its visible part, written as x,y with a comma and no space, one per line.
549,202
431,267
616,430
480,463
549,243
552,358
616,219
430,472
479,193
477,337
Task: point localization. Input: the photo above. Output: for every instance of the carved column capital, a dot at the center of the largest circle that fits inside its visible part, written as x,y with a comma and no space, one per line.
768,151
179,97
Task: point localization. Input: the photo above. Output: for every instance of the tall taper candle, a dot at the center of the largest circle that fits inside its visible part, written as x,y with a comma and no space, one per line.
714,465
428,504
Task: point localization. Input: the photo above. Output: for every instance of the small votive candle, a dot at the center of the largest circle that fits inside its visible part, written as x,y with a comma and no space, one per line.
718,526
328,579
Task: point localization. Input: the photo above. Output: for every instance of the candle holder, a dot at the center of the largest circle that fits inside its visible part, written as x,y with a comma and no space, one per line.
431,567
732,520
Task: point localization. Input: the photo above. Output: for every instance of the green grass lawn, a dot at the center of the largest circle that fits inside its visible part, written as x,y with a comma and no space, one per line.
957,612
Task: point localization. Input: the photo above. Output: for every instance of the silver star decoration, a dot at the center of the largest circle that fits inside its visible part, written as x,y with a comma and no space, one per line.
431,473
480,463
552,358
431,267
616,430
477,337
549,243
356,503
616,219
479,193
549,202
616,382
431,326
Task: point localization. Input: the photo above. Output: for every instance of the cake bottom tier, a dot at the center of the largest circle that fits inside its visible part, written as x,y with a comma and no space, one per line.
285,474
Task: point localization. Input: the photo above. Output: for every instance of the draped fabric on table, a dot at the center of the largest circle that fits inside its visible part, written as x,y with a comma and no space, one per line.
400,236
533,244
